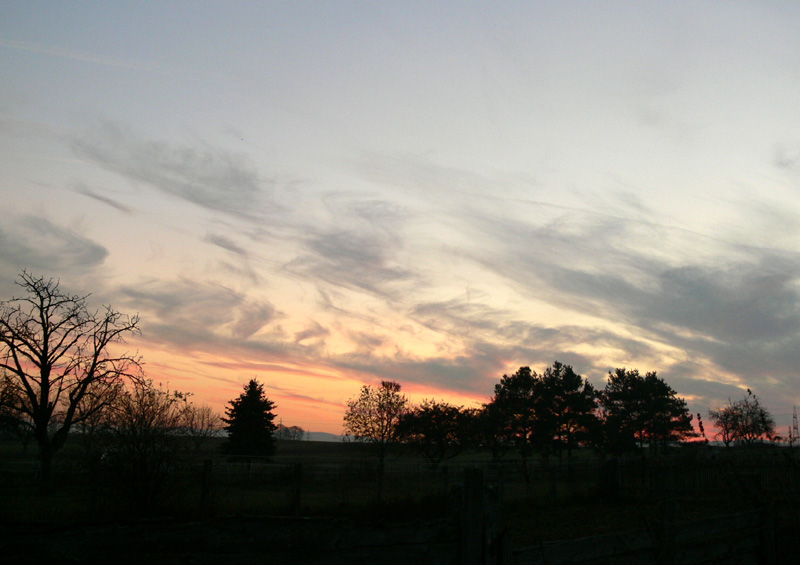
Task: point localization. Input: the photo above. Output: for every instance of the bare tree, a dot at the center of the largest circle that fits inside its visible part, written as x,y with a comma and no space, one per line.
13,422
93,420
57,353
725,419
291,433
201,423
144,426
744,421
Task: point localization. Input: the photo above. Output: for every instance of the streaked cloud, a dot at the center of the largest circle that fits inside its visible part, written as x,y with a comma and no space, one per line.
326,200
81,55
197,309
86,191
227,244
38,244
354,260
217,180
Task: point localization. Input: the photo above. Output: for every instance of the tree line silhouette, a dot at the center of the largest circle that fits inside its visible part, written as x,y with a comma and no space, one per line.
61,368
550,414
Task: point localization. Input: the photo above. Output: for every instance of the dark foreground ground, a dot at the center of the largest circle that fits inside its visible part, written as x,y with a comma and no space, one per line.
315,502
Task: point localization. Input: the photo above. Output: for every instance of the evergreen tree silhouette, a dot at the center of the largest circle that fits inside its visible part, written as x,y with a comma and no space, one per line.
249,422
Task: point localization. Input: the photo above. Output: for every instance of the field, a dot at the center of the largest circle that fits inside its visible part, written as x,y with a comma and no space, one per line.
309,479
331,481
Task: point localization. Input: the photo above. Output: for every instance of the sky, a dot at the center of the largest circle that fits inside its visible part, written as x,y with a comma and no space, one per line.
322,195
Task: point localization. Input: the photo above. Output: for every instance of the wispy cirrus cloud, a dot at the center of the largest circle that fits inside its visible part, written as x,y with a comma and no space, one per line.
353,259
81,55
186,310
227,244
733,308
37,243
96,195
315,331
213,179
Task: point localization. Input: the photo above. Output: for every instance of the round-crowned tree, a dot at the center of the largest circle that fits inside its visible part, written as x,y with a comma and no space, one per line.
744,421
249,422
372,417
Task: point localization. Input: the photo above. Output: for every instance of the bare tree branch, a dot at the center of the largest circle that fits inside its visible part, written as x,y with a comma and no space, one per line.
56,351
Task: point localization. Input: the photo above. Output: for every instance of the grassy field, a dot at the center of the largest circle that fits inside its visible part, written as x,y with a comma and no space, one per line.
334,479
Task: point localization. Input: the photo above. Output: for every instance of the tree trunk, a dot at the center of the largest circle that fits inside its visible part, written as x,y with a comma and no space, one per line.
46,452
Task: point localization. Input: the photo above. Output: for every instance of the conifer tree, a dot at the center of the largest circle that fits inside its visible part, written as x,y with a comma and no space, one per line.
249,422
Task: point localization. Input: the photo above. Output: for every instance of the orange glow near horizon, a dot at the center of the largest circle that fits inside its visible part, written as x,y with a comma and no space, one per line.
310,396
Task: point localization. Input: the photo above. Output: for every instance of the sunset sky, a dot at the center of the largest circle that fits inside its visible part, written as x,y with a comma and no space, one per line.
330,193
